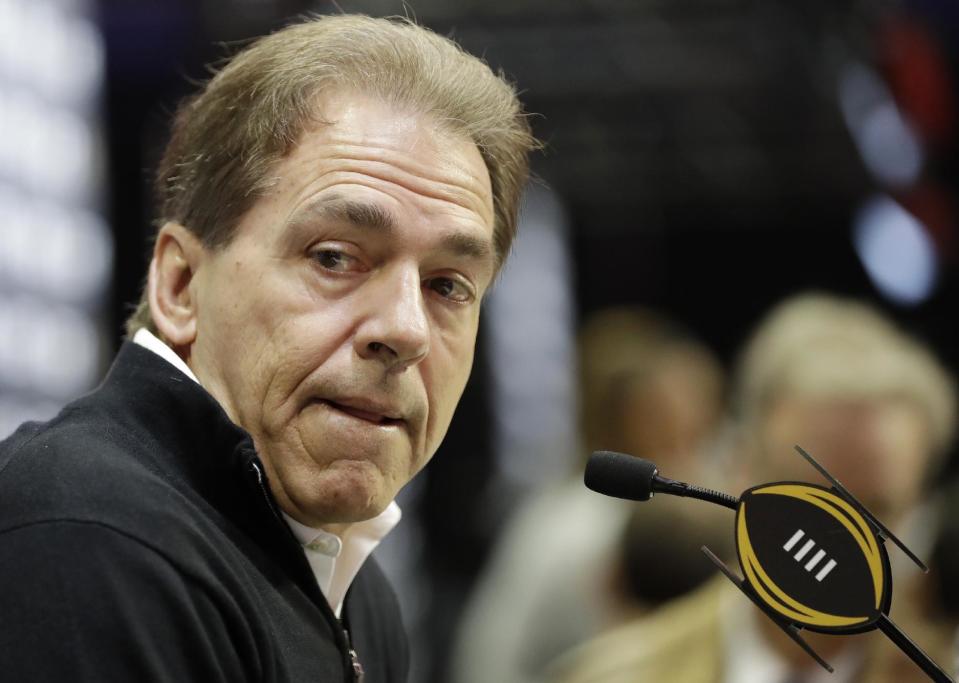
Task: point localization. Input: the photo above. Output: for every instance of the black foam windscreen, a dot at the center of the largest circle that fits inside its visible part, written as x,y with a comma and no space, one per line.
620,475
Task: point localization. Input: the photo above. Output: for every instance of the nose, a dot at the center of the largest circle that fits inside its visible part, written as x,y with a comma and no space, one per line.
396,330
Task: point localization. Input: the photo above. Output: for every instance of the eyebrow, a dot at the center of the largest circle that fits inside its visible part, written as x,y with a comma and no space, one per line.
360,214
375,217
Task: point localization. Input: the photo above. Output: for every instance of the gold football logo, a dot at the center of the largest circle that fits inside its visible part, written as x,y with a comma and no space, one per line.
811,557
815,558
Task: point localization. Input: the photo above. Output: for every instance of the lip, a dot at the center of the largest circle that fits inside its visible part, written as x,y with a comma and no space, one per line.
368,411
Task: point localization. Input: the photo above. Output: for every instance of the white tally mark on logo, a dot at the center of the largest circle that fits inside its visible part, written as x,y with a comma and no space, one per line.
804,550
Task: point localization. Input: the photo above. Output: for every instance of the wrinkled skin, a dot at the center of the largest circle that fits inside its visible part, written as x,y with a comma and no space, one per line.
338,326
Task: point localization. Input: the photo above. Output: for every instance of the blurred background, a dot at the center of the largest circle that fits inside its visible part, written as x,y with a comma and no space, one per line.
704,159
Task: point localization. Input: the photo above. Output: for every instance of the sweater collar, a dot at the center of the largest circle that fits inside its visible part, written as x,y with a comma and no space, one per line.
195,445
334,573
154,396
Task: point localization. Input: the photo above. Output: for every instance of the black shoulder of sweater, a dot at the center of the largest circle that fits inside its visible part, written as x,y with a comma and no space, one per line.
149,464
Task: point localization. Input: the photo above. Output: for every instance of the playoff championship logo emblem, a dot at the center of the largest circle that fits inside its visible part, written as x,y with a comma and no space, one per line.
815,558
832,572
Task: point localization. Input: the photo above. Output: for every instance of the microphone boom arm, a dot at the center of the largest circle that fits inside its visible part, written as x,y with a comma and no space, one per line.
681,488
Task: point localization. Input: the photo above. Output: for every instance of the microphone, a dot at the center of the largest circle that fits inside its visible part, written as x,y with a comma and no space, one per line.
626,476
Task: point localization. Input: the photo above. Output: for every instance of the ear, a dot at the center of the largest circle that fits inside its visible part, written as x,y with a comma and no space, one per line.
177,256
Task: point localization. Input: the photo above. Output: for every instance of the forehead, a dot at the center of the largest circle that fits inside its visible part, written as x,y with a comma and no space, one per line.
849,424
363,140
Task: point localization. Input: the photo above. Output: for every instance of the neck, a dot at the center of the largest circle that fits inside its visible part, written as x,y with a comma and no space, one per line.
336,529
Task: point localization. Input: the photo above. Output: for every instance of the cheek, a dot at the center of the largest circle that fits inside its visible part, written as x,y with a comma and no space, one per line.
259,352
445,382
906,472
290,354
231,307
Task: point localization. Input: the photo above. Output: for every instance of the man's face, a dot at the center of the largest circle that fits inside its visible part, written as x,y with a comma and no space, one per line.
878,449
338,326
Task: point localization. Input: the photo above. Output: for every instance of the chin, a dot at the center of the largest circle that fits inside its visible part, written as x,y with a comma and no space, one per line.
349,494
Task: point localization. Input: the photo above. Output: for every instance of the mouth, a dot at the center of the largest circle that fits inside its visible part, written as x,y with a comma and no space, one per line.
374,415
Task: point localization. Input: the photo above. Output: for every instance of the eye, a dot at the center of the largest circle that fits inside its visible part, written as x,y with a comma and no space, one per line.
451,289
335,260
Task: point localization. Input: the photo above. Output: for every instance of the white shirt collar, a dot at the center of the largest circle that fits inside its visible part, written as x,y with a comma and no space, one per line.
747,657
148,340
335,561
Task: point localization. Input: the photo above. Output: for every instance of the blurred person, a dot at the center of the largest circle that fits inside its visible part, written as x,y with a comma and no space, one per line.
557,576
877,410
334,204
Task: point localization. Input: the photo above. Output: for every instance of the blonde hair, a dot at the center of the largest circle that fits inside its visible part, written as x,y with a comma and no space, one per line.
227,139
821,346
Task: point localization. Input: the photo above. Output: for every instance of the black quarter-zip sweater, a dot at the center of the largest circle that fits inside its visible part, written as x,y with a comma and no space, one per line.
139,541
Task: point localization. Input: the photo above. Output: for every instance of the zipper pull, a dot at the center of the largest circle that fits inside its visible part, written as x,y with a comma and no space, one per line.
358,673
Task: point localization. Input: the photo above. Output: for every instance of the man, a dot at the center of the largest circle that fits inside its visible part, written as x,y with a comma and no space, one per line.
877,410
334,205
